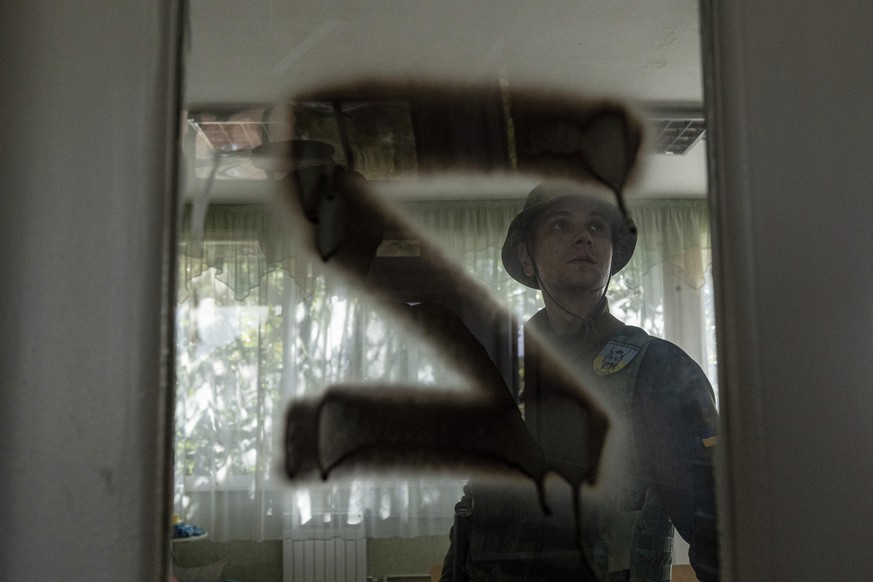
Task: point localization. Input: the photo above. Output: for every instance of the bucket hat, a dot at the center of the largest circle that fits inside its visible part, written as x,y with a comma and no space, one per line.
624,232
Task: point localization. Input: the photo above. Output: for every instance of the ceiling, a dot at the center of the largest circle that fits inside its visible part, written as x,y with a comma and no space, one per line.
257,52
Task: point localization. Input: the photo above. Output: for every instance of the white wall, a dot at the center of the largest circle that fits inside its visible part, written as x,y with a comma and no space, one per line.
85,116
793,102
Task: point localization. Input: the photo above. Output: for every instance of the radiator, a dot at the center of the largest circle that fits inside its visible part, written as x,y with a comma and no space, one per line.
333,560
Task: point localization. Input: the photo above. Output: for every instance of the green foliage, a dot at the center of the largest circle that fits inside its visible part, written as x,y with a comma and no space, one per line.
229,374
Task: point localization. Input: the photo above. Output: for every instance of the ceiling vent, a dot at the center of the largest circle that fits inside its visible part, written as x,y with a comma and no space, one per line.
676,134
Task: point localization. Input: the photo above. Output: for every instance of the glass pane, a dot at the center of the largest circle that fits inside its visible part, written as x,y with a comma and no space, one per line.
357,373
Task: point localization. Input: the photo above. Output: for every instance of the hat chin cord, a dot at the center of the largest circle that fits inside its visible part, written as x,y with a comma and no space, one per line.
545,290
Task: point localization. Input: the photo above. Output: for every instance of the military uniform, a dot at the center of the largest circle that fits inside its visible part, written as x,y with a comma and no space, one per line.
657,472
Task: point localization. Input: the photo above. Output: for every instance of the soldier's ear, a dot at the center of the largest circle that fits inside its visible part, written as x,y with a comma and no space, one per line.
525,259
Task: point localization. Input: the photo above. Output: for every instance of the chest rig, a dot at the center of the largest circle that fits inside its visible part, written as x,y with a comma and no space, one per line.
626,533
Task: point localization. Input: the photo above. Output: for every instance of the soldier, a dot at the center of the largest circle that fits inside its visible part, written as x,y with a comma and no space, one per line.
656,467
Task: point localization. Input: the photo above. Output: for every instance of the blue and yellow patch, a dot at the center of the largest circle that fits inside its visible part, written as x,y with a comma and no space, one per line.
709,436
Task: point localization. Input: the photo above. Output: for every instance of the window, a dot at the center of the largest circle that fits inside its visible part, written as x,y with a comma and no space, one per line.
259,325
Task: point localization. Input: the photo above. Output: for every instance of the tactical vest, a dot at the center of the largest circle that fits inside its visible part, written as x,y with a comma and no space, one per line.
625,532
628,532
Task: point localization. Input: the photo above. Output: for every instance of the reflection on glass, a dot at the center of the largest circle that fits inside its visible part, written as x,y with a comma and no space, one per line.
265,324
381,134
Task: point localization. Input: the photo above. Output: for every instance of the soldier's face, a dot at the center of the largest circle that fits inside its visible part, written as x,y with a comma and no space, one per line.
570,248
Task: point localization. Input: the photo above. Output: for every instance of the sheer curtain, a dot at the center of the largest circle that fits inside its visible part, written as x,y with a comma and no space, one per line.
258,324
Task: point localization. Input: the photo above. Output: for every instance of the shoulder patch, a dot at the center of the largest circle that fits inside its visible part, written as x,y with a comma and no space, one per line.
613,357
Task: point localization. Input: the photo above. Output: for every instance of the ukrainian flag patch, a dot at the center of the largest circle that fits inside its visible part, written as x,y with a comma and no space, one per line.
709,437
